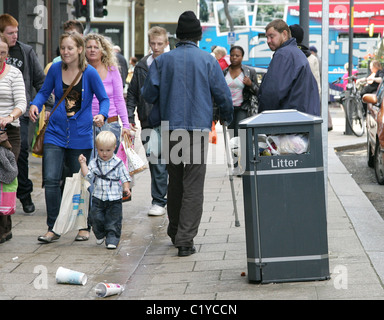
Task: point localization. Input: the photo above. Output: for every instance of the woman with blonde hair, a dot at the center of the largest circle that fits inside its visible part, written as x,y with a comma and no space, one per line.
100,54
69,132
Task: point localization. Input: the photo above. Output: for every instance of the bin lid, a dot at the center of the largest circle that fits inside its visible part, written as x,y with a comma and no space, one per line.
272,118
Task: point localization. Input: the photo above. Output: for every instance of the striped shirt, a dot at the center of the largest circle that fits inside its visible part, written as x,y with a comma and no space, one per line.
12,94
108,189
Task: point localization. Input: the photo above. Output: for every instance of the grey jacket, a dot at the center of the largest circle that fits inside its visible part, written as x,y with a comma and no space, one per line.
33,75
8,166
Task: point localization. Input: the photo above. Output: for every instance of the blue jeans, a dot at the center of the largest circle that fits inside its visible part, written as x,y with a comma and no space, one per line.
58,163
106,218
159,175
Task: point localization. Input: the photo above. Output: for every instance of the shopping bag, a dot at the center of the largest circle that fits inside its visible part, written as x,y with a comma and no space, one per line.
288,143
8,198
74,206
135,163
213,134
38,139
122,155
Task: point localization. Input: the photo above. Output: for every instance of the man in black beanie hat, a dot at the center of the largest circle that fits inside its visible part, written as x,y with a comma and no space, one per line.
297,32
181,84
188,27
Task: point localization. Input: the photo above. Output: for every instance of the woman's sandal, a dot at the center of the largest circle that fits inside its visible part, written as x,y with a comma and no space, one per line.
80,237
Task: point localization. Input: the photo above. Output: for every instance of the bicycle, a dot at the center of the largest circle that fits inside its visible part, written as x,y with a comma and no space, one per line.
353,107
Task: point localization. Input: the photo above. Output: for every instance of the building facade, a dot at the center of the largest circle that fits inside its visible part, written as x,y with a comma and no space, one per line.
127,22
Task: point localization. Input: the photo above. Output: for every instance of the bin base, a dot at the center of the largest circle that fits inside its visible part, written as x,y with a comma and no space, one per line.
288,280
289,271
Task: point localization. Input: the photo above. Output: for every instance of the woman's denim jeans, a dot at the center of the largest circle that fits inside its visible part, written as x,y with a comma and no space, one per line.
58,163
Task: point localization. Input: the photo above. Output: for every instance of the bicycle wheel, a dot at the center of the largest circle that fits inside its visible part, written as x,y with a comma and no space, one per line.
355,117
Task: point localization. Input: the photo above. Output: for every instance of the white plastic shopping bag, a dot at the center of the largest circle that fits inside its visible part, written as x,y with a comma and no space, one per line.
135,163
288,143
74,205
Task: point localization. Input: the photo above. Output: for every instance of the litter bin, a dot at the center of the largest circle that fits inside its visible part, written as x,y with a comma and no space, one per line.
284,201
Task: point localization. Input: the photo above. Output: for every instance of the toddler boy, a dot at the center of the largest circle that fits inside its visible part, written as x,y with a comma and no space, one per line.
110,176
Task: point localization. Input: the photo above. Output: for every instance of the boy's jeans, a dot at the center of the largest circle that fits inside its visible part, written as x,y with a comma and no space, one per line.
106,219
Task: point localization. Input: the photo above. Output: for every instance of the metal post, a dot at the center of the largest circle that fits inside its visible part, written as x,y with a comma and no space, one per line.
350,52
325,88
133,27
304,20
348,130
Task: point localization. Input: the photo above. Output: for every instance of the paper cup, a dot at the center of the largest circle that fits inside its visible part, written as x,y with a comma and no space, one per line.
68,276
108,289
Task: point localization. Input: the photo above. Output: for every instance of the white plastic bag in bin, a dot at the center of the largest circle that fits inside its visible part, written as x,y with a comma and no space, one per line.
288,143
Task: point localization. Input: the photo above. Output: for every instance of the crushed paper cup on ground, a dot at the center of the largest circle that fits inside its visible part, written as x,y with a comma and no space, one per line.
68,276
108,289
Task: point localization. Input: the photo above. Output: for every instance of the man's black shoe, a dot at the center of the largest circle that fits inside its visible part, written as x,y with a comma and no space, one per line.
28,205
186,251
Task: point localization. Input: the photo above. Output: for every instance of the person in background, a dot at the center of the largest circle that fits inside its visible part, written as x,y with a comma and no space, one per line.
123,65
13,104
182,84
71,26
371,83
132,64
23,57
111,181
221,56
297,32
314,61
69,132
289,82
244,87
100,55
346,75
313,50
158,41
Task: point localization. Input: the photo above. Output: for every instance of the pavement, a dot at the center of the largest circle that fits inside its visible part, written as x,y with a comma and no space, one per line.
147,264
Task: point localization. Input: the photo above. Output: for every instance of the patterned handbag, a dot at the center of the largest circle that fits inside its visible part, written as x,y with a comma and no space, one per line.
135,163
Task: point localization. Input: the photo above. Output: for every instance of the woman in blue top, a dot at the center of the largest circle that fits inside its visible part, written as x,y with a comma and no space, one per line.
69,133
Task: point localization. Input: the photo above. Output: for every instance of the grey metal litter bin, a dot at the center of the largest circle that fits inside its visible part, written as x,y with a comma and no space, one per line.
284,202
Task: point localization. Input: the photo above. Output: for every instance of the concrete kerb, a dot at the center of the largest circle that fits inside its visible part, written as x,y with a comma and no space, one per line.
366,221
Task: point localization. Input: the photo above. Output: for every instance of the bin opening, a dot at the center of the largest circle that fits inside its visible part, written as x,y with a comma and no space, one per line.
283,144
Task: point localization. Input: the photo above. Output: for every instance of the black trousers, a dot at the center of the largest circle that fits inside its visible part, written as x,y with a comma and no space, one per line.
186,164
25,187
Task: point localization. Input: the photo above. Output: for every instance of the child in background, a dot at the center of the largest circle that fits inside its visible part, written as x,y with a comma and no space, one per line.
110,177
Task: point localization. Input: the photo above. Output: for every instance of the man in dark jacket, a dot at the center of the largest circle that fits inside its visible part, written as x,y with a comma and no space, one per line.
182,83
289,82
158,41
122,64
25,59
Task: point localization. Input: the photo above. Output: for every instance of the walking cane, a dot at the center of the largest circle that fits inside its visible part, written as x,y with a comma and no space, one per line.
228,153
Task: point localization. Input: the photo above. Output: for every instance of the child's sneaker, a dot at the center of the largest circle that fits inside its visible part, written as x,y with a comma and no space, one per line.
111,246
99,241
